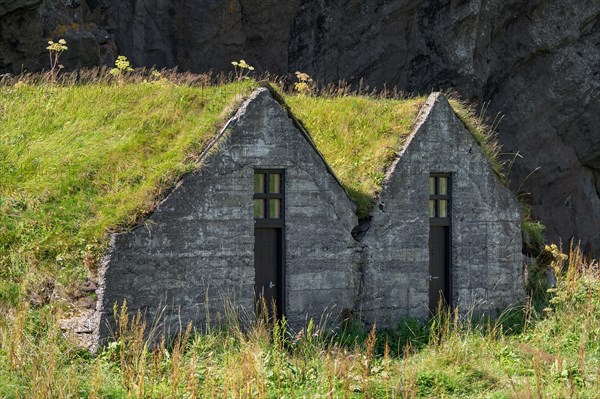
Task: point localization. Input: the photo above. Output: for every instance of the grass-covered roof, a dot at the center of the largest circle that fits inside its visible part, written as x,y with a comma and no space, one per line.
359,136
78,161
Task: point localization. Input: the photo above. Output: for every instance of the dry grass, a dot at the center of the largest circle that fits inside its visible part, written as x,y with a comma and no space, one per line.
555,355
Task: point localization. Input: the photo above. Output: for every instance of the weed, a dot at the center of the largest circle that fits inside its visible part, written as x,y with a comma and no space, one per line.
122,66
54,51
242,69
533,233
304,85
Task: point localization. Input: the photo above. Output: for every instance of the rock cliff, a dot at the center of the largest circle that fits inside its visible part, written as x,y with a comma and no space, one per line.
536,62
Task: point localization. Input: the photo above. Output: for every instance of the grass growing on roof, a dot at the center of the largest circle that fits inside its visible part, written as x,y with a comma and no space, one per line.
359,137
483,132
77,161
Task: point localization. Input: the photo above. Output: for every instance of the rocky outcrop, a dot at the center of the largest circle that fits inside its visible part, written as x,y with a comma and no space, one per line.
27,25
537,62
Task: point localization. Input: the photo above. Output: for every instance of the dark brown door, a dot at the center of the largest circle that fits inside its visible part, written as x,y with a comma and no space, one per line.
438,266
268,265
439,240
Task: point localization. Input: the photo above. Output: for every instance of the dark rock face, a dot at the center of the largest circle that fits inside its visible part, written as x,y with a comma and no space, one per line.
26,26
537,62
21,40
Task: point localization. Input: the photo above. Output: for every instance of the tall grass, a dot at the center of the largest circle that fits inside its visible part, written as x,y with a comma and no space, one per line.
555,354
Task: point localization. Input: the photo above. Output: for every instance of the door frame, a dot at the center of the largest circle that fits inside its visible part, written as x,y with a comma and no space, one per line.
275,224
280,273
445,222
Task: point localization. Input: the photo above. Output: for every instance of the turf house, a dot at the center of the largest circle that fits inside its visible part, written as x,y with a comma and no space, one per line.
265,217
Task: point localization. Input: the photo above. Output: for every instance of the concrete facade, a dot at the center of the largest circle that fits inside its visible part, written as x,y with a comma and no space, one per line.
195,253
485,232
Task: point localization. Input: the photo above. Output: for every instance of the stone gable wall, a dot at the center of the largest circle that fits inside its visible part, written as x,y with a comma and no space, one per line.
196,251
486,259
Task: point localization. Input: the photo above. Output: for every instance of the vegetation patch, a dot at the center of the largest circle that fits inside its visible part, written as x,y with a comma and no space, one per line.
80,160
359,137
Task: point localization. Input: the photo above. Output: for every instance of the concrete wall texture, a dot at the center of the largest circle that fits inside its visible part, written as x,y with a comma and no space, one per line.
485,239
195,254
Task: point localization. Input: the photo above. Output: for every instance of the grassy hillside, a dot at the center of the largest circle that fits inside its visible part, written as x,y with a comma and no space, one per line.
77,161
80,161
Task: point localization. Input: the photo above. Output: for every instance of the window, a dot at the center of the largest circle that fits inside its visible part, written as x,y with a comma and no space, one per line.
439,196
268,194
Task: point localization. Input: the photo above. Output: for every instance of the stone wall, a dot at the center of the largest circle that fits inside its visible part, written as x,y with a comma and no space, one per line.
486,258
195,253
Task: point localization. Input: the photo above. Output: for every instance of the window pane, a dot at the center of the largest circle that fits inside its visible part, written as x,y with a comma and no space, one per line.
431,185
274,209
259,183
431,208
442,185
259,209
443,209
274,183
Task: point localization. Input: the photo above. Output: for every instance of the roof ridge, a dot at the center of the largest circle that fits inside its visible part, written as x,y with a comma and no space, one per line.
303,130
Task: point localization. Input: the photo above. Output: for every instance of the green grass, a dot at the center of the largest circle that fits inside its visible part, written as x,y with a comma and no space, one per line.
359,137
79,161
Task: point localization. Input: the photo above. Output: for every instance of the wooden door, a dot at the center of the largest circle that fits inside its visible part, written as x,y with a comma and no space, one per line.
267,265
439,239
439,252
